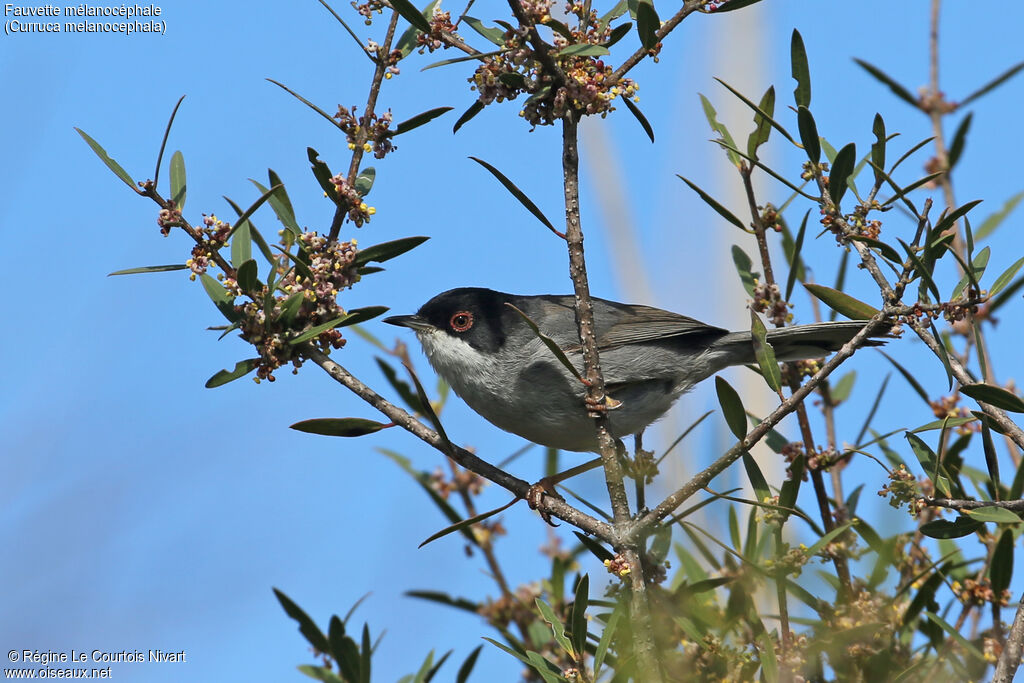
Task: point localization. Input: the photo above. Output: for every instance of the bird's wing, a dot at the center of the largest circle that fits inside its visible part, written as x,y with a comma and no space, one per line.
645,324
620,324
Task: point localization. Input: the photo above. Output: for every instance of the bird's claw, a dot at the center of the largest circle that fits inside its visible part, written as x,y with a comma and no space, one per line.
536,492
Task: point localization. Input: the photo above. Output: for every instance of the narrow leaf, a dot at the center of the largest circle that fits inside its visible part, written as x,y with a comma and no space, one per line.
339,426
799,70
732,408
956,148
994,83
842,170
989,225
710,201
765,354
149,269
519,194
647,24
583,50
105,158
1005,278
495,35
993,514
878,149
409,12
635,111
896,88
333,121
179,187
842,303
242,368
307,627
388,250
420,119
795,262
995,396
466,523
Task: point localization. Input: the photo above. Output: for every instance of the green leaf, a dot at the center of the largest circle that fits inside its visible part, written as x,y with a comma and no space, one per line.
974,274
733,5
479,56
841,390
149,269
178,185
989,225
618,33
557,627
583,50
929,463
248,277
721,210
387,250
967,645
404,391
744,267
762,123
763,113
163,146
466,523
878,149
595,548
808,134
1005,278
242,368
769,663
467,666
323,174
956,148
519,194
364,181
993,514
578,617
921,270
445,599
799,70
280,202
339,426
762,493
330,119
635,111
495,35
896,88
1001,569
409,12
220,297
606,639
952,217
732,408
314,332
796,264
842,303
420,119
765,354
105,158
723,132
842,170
995,396
366,649
828,538
995,82
307,627
241,250
647,24
426,483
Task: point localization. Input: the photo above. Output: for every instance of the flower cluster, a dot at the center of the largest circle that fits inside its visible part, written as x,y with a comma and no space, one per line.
462,481
583,83
768,300
169,217
309,299
358,211
440,25
979,592
948,406
214,234
367,9
903,489
617,566
369,131
789,563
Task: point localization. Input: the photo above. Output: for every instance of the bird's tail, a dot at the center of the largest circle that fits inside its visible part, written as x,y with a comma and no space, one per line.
800,342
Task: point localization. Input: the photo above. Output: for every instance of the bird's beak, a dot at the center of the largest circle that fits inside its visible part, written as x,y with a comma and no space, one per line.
414,322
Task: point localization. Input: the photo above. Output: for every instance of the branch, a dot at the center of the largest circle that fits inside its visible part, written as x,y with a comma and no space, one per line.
680,496
550,505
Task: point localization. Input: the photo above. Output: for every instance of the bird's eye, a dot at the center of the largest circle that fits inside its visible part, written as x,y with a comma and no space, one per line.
461,321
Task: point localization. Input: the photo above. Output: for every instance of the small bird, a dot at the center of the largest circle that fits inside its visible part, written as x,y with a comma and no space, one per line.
481,346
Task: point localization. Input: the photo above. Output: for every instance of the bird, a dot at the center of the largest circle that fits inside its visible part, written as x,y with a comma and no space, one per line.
478,342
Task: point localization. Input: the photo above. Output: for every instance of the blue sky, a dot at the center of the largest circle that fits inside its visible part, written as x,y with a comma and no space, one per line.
142,511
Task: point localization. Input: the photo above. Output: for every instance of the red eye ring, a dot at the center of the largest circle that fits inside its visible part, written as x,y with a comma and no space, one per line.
461,321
